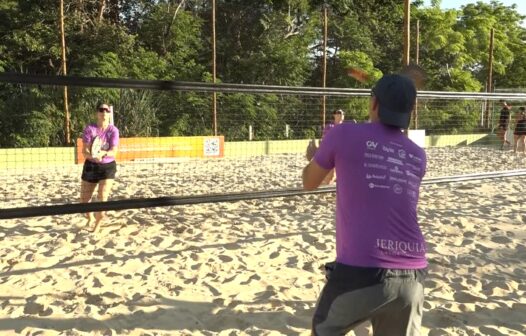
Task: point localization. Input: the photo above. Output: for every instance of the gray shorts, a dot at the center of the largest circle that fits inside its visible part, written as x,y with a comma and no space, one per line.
392,299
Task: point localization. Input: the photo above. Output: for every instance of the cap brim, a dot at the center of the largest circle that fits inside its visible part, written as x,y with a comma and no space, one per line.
392,118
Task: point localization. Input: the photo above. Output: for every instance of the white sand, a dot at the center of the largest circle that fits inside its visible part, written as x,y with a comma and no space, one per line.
251,267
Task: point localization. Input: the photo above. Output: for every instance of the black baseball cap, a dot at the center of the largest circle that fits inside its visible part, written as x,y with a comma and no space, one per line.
396,96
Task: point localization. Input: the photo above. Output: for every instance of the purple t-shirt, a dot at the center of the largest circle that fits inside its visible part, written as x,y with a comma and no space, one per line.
379,173
110,138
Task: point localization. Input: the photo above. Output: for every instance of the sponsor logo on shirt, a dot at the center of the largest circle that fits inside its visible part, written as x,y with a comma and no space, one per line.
414,157
398,189
388,149
413,166
395,161
413,184
410,174
375,165
374,156
378,186
395,144
397,179
375,177
396,170
401,154
397,247
371,145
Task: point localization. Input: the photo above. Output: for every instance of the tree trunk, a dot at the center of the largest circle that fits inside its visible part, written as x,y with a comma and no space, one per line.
102,7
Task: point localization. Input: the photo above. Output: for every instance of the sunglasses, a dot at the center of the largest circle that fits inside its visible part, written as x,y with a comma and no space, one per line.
103,109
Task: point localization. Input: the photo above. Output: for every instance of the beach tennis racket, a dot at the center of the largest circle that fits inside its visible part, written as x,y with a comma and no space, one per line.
96,147
416,73
358,74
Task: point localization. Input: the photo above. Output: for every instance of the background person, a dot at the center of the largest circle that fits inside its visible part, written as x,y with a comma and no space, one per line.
504,122
380,250
338,118
520,131
99,170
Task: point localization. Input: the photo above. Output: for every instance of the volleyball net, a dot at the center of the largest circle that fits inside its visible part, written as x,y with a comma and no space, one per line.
176,148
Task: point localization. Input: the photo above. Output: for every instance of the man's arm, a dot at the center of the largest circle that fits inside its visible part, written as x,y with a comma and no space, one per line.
313,175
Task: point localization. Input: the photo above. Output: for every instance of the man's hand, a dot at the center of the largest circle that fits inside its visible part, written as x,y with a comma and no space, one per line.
311,150
313,175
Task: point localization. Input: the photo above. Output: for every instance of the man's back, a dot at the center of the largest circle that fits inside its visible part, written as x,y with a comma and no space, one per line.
379,173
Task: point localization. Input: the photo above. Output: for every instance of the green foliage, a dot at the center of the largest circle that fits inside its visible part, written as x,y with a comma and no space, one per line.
258,42
450,118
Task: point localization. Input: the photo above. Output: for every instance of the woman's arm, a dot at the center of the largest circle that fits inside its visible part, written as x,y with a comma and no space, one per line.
112,152
114,143
86,152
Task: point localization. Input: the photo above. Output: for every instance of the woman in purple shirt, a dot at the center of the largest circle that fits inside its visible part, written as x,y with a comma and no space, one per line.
99,167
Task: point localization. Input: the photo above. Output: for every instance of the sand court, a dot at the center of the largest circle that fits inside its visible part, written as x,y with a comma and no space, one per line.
253,267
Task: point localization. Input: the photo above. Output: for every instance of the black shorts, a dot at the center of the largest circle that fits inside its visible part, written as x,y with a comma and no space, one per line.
95,172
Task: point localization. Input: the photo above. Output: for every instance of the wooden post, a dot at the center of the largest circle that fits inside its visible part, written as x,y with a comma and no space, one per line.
407,22
489,84
64,72
417,60
417,38
324,80
214,73
405,56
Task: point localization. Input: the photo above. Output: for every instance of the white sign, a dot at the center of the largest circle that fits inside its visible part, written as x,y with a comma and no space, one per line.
418,137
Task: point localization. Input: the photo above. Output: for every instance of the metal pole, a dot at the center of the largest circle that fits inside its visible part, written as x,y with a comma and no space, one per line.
214,95
324,84
64,72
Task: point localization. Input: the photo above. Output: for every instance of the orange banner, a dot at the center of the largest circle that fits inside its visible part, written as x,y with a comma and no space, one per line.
131,149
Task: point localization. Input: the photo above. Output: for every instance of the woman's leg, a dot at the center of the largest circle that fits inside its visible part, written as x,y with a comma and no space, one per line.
102,196
501,135
86,192
516,143
505,137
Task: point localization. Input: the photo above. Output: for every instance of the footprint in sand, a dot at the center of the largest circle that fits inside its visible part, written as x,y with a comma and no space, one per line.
501,240
34,308
253,277
225,258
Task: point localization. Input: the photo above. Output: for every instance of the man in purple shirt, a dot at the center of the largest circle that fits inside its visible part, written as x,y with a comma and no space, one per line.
99,166
380,262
